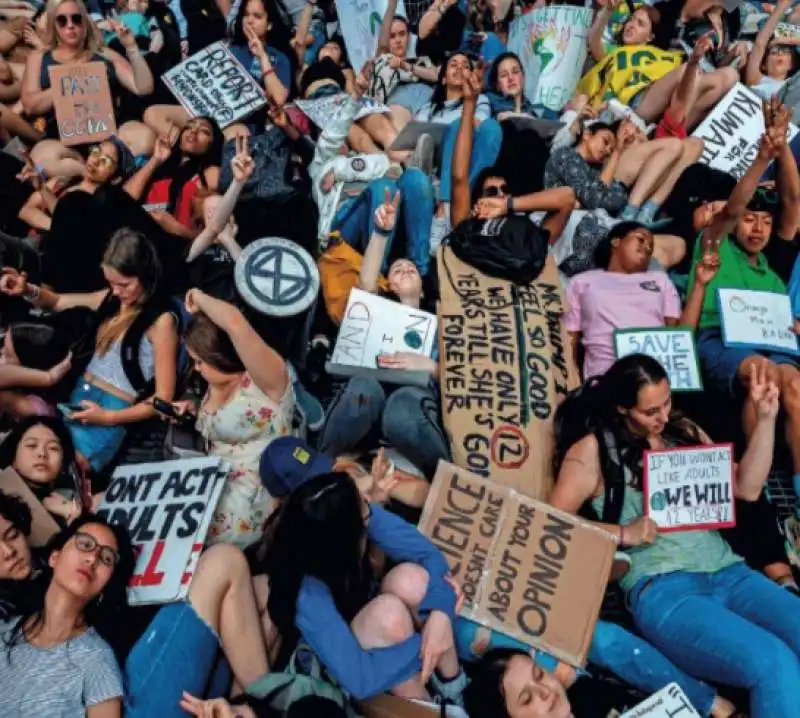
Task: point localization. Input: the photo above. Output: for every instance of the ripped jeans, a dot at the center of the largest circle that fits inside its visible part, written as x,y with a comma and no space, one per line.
406,417
612,648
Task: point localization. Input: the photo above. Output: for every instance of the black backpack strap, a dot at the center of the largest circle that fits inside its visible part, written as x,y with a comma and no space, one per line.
613,476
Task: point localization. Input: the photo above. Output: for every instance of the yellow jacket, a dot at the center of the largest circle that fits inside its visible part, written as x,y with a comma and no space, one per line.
626,71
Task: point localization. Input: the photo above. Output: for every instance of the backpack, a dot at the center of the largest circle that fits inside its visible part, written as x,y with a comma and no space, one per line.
511,248
302,678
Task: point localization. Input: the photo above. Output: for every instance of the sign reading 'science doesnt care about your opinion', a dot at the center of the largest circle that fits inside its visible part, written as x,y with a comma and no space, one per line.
527,570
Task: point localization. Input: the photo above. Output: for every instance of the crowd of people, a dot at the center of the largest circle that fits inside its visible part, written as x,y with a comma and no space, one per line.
124,327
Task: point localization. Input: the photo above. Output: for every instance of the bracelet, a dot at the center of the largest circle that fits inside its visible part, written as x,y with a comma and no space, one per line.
269,71
381,232
510,204
32,293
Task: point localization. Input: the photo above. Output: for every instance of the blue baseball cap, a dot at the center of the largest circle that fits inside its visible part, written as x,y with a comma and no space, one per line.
289,462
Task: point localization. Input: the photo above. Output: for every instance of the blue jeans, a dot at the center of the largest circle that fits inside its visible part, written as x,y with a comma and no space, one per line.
486,143
408,419
178,652
734,626
355,219
97,444
612,648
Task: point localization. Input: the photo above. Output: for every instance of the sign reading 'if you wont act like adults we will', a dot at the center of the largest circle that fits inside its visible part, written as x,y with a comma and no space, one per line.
527,570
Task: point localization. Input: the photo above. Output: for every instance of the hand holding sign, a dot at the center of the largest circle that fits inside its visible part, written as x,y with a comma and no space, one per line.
386,214
764,393
641,531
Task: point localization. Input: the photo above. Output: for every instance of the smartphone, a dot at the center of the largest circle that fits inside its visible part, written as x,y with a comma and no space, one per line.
165,408
69,409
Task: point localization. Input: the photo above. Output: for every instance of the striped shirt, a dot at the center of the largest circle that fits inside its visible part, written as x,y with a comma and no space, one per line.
57,682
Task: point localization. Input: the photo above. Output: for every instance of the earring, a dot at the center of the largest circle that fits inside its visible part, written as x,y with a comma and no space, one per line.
99,600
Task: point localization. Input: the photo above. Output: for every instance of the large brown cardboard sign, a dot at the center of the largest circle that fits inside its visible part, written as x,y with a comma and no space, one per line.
43,525
82,102
505,367
527,569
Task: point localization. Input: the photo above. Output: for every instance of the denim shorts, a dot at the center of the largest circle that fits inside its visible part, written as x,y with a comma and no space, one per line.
178,652
97,444
720,363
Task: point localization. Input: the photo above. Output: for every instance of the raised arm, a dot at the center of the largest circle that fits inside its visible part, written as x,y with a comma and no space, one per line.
599,25
686,91
385,219
137,185
134,73
272,83
386,26
265,366
429,21
753,75
35,100
788,181
15,284
462,200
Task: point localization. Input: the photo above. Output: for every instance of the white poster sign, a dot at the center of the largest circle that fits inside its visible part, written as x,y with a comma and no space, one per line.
213,83
669,702
360,22
761,320
733,130
167,508
321,110
674,349
788,31
373,326
552,44
688,489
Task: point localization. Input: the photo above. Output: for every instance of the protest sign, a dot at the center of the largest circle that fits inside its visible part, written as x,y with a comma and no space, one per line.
43,525
527,570
551,43
787,31
373,326
213,83
690,488
674,349
360,23
82,102
167,508
504,368
733,130
760,320
386,706
323,109
669,702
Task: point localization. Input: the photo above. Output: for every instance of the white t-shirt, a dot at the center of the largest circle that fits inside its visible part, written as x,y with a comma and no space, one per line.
768,87
58,682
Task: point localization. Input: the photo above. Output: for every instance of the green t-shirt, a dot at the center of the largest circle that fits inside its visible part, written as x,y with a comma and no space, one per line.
735,272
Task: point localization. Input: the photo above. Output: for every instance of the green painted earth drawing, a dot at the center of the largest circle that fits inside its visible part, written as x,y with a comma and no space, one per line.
541,51
413,339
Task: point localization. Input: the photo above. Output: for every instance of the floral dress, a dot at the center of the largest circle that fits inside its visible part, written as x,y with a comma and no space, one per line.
238,432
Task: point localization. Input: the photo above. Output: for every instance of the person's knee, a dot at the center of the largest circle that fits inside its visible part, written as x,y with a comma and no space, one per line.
790,391
725,79
389,618
611,641
404,411
673,146
366,392
693,147
408,582
223,560
758,364
138,137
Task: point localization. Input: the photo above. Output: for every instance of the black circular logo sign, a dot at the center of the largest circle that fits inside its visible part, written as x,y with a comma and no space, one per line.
277,277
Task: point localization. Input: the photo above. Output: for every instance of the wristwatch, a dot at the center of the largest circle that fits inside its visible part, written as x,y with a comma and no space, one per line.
510,204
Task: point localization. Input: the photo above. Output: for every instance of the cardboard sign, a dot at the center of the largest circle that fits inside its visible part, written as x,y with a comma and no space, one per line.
360,22
505,367
761,320
527,570
674,349
373,326
669,702
387,706
82,102
688,489
323,109
43,525
214,83
733,131
552,44
167,507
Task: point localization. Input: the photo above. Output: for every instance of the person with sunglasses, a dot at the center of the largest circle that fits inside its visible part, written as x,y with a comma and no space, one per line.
71,39
55,660
772,60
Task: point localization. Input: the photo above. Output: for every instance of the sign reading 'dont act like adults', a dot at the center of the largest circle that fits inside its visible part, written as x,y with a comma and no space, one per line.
527,570
167,508
82,102
674,349
688,489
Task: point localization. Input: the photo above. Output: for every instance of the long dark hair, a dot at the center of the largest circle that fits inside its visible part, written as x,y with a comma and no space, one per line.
102,613
12,592
181,172
491,80
484,695
439,96
594,409
212,344
321,533
8,449
38,346
278,35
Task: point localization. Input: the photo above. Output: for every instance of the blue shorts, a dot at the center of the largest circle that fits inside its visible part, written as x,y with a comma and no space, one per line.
178,652
720,363
97,444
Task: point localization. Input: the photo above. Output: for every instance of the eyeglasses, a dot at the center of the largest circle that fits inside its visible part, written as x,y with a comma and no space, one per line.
494,191
105,160
87,543
781,49
64,20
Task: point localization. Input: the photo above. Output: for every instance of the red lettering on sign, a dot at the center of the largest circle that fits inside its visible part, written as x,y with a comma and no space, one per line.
151,577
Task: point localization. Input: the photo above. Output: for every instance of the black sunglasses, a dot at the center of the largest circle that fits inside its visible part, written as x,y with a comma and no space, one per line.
75,18
494,191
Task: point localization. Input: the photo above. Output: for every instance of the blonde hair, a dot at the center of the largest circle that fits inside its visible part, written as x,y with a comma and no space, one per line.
92,40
